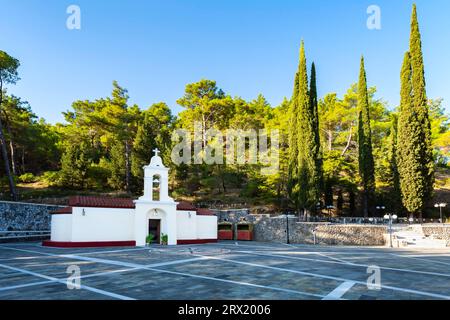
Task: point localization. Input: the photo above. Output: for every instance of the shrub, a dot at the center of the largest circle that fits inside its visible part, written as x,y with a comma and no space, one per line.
27,178
150,238
52,178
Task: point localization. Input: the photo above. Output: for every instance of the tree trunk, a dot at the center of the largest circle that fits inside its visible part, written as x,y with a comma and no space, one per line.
23,160
127,167
13,157
365,205
12,187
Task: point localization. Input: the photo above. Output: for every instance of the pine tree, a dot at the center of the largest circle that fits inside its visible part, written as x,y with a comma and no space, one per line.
409,146
365,156
419,101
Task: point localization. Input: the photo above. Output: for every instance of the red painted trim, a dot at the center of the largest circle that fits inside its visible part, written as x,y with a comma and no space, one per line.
225,234
93,244
196,241
244,235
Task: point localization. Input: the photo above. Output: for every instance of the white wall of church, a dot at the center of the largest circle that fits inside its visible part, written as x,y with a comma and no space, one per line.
61,229
102,224
186,225
206,227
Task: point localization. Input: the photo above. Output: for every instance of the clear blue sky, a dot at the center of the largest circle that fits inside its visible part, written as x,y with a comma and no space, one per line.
155,47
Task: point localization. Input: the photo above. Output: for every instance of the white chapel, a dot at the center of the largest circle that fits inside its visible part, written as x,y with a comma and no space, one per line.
101,221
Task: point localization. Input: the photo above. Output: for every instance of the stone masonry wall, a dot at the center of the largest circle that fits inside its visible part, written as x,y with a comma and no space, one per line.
19,216
441,232
274,230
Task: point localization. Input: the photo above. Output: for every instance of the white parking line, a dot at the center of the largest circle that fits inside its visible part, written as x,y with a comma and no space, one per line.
421,259
103,292
337,293
153,267
345,263
418,292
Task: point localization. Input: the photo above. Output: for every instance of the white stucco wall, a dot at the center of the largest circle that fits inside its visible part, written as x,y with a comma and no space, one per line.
206,227
102,224
61,227
186,226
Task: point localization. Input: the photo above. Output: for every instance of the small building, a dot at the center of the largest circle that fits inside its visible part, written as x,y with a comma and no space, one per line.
101,221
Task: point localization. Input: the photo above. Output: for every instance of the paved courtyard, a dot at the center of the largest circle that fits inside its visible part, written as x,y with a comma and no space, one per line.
226,270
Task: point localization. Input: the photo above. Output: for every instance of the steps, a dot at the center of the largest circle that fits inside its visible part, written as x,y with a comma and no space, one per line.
412,237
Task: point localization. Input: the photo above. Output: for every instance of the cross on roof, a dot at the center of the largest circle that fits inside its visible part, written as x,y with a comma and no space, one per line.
156,151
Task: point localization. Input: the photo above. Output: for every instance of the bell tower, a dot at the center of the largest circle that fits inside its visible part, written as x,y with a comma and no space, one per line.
155,204
156,180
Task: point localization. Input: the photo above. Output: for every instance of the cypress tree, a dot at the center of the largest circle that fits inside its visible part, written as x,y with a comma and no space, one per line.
316,149
419,101
293,147
393,173
306,141
365,156
413,183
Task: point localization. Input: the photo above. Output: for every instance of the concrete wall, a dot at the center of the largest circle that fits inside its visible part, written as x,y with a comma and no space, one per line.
196,226
441,232
19,216
206,227
100,224
61,227
186,226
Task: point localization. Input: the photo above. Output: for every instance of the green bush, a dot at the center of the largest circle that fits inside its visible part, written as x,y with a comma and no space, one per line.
150,238
52,178
164,239
27,178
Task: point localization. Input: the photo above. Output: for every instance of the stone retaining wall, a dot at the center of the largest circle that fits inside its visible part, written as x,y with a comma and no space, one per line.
20,216
274,230
441,232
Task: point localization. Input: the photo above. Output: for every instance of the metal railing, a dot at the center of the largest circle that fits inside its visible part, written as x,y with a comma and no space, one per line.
4,235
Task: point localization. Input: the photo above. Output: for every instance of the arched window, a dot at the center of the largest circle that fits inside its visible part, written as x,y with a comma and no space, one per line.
156,187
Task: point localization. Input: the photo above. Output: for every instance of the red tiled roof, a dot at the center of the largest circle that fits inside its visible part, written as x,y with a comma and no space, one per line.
120,203
101,202
204,212
66,210
186,206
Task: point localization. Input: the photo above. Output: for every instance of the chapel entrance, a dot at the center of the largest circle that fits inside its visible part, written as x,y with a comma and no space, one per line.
154,228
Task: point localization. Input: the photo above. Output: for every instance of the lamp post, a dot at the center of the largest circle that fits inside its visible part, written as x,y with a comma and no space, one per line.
440,206
390,217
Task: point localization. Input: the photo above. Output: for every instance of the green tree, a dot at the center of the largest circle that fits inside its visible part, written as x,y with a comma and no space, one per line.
153,132
292,183
8,75
75,164
419,100
316,146
365,156
307,172
409,146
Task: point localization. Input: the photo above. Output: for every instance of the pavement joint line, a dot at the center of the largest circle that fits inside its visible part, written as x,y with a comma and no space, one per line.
348,263
263,266
421,259
31,284
340,290
237,282
143,267
89,288
316,275
333,258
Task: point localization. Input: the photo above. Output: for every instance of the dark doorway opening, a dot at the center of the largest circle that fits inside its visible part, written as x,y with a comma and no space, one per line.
154,227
